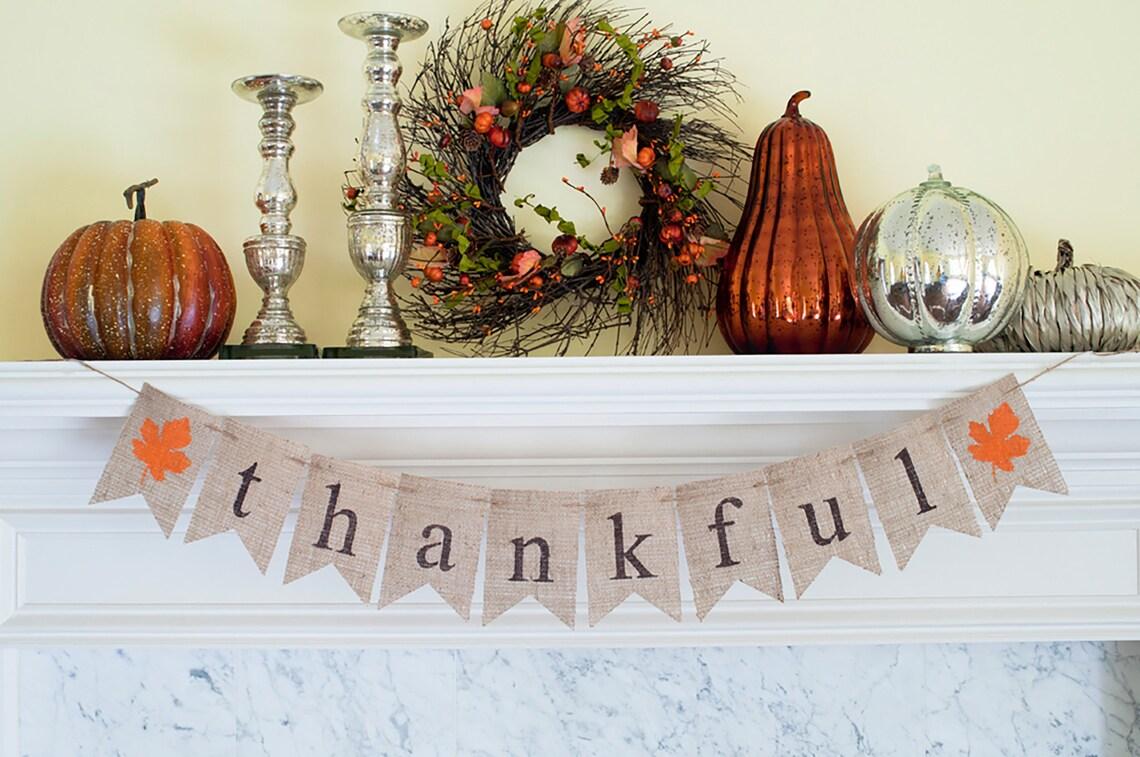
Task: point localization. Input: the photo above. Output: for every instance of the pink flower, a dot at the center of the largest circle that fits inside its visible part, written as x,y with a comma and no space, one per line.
573,45
525,262
624,151
470,99
714,250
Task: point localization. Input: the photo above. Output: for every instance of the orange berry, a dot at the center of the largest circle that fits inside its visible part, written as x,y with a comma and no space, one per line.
692,278
484,122
416,281
486,24
646,156
434,273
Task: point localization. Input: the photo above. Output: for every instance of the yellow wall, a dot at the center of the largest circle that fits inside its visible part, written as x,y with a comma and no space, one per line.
1035,103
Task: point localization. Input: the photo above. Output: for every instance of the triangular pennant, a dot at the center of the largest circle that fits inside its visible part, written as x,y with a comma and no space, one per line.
727,527
631,548
249,489
915,485
436,533
1000,446
344,517
532,550
818,501
160,450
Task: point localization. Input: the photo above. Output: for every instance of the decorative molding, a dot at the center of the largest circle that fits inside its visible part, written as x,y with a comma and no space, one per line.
1058,567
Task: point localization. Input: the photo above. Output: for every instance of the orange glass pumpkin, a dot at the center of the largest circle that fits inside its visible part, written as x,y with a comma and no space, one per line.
141,289
788,279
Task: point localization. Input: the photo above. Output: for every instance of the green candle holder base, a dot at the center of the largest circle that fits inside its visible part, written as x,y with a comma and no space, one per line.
268,352
341,353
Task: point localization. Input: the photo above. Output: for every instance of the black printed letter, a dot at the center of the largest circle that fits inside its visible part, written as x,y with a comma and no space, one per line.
543,559
444,562
247,478
904,457
840,532
720,525
332,512
622,555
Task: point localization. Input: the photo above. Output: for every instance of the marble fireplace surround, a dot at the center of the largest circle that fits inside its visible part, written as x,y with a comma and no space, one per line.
91,588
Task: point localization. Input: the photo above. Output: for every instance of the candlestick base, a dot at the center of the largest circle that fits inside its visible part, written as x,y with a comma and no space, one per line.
402,351
268,352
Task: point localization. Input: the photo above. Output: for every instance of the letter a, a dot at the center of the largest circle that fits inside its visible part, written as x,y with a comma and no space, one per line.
444,563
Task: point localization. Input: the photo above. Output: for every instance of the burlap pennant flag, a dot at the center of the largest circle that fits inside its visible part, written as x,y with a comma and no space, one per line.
727,528
915,485
249,489
631,548
159,452
818,501
532,550
344,517
436,533
996,438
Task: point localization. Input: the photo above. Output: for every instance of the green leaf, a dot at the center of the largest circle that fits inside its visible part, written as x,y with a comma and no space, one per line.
703,189
567,227
535,68
463,242
572,266
688,177
611,245
624,304
472,191
494,92
582,160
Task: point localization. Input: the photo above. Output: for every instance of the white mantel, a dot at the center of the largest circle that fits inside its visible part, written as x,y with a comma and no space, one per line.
1057,568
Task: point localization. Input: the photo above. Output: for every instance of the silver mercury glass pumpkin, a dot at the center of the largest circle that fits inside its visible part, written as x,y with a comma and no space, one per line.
939,268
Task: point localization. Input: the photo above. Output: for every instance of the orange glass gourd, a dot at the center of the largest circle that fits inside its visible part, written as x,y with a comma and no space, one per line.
788,280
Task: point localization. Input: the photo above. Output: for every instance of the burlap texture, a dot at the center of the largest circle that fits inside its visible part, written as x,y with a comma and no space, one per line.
516,518
805,485
940,498
610,576
280,466
126,474
423,506
991,485
749,551
364,498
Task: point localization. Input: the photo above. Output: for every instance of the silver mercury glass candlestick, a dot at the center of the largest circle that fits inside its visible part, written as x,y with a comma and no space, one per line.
275,257
379,232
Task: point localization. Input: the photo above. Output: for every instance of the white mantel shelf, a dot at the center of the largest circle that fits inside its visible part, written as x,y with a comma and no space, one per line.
1057,567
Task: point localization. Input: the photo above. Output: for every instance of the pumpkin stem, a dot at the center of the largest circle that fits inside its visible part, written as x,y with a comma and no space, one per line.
137,193
1064,255
793,109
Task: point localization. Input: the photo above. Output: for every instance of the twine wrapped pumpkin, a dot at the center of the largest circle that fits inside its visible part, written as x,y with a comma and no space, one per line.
1074,309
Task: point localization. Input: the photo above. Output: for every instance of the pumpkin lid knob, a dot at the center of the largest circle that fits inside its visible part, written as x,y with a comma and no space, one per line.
1064,255
137,193
935,178
793,109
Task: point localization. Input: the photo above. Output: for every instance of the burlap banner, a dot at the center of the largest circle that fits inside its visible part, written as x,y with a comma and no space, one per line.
435,539
249,489
532,551
631,548
819,507
344,517
915,485
728,535
996,438
435,529
159,452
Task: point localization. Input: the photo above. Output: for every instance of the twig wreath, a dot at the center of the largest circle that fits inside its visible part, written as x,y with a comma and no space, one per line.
508,76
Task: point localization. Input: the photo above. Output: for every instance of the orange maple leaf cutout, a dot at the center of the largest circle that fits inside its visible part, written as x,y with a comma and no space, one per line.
160,451
998,445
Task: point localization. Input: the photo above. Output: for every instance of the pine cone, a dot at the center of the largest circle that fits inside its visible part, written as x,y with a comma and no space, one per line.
471,141
610,175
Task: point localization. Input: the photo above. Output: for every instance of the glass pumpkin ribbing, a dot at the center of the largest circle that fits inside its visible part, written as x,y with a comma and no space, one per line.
940,268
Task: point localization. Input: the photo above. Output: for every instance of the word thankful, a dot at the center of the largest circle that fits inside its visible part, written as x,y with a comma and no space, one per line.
918,475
